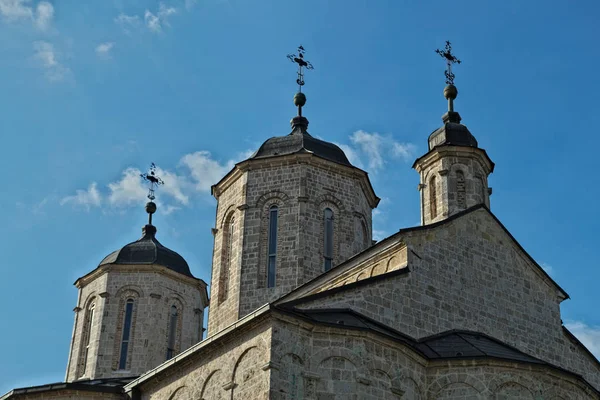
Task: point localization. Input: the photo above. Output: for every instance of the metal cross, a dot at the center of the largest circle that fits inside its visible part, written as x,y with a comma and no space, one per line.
302,63
450,59
153,179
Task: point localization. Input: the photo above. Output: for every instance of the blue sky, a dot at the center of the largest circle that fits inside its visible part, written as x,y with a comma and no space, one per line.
92,92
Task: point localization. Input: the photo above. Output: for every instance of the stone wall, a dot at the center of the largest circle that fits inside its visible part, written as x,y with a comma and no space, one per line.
154,290
301,187
471,276
452,179
234,367
316,362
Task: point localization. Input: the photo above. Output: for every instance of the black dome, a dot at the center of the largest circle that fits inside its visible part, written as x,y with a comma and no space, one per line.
300,141
148,250
452,133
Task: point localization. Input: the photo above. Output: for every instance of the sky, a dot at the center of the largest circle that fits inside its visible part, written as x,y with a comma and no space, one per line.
92,92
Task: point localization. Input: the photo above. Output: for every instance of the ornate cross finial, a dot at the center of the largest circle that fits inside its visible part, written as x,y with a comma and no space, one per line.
153,180
450,59
302,63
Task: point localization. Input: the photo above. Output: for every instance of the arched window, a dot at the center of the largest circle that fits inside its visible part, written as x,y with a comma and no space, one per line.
126,337
226,259
432,198
461,198
87,335
328,239
173,316
272,247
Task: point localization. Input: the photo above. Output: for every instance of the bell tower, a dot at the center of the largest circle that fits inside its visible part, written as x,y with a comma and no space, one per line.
292,211
454,172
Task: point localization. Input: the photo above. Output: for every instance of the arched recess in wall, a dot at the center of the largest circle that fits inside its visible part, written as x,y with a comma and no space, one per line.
127,298
174,325
89,316
228,252
212,388
362,233
513,390
433,206
179,393
272,207
247,375
291,368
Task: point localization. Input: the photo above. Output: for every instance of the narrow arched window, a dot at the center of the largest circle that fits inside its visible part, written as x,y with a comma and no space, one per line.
126,338
432,198
461,198
227,260
87,335
328,239
272,246
173,316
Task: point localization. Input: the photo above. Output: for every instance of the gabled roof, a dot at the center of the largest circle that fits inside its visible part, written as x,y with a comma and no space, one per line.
397,237
106,385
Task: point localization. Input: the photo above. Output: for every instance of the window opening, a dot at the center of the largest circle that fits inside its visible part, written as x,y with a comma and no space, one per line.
126,339
172,332
328,242
272,246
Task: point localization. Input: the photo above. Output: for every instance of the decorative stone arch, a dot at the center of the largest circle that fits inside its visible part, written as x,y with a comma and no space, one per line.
450,379
177,393
521,386
133,290
328,198
210,378
512,377
405,384
241,377
229,212
278,195
378,269
124,294
89,314
228,251
361,224
322,203
264,205
290,370
324,354
362,275
391,264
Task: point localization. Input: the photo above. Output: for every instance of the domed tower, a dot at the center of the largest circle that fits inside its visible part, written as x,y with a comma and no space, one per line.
454,172
138,308
295,209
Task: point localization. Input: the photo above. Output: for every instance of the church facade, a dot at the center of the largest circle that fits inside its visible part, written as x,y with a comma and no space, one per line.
305,305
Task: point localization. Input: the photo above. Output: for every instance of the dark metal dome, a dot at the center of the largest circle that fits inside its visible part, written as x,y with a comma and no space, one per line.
300,141
148,250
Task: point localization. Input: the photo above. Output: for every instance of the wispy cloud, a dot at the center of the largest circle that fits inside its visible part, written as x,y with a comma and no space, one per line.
127,22
84,198
23,11
548,268
377,149
204,170
588,335
46,55
156,21
103,49
197,172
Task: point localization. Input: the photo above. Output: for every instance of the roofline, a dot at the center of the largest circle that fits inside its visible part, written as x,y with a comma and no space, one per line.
473,209
580,344
77,385
334,290
242,164
439,146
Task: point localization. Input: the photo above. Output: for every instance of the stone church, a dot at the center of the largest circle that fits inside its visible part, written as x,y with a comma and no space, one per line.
305,305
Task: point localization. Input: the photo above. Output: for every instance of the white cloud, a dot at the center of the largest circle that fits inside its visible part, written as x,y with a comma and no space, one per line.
103,49
588,335
548,268
129,190
22,10
204,170
44,15
14,10
84,198
376,149
155,22
190,3
48,57
127,21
